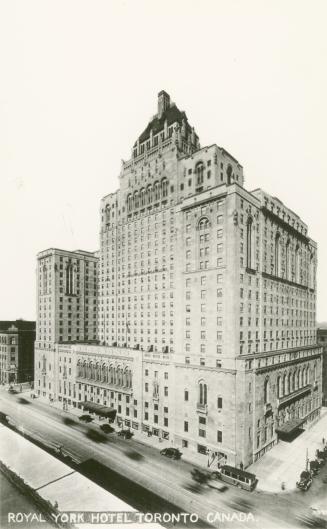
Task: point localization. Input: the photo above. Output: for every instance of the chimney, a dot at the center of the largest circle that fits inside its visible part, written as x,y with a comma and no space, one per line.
163,102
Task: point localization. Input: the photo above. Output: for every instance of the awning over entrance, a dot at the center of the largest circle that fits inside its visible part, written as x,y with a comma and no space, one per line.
99,409
289,426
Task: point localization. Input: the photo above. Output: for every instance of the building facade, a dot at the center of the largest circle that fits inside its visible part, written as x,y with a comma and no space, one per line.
67,286
206,302
17,351
322,341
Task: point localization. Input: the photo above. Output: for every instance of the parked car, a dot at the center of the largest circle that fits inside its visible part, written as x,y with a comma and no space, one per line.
173,453
85,418
12,390
106,428
314,467
320,458
126,434
305,480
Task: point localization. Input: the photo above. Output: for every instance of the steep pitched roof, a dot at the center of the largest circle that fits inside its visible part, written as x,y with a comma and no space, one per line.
172,115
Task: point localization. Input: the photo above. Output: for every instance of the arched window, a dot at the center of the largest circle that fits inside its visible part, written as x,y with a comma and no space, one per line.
303,382
111,374
45,279
290,389
229,174
136,199
277,254
203,393
293,382
249,243
70,280
280,387
285,389
266,391
104,373
156,191
287,260
125,377
149,194
203,223
297,264
311,272
129,202
107,213
142,197
199,171
164,188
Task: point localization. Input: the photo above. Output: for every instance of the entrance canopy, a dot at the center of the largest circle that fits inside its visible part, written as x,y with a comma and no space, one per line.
288,427
99,409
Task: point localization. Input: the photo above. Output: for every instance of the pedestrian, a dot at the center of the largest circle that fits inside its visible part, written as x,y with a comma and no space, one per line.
241,465
323,440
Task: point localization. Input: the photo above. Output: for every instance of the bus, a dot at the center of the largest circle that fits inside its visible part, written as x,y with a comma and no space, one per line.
236,476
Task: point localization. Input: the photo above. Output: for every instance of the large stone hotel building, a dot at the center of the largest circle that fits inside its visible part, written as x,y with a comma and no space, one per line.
196,320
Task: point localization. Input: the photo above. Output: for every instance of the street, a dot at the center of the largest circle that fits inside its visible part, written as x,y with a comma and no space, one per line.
143,465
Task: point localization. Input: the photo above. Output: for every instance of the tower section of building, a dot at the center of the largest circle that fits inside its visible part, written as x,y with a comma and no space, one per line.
67,286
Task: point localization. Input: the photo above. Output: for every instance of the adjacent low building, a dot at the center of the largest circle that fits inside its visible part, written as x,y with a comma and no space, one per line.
206,304
17,351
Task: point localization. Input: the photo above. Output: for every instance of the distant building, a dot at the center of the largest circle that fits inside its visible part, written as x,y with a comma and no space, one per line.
67,284
322,340
206,304
17,351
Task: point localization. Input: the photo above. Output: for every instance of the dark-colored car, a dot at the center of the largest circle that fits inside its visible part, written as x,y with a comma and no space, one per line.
305,480
314,467
173,453
126,434
12,390
200,476
86,418
106,428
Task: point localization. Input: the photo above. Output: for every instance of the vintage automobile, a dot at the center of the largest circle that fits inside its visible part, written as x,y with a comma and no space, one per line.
305,480
85,418
200,476
314,467
126,434
106,428
173,453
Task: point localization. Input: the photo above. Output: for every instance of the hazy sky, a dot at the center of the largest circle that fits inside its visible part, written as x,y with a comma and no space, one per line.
79,82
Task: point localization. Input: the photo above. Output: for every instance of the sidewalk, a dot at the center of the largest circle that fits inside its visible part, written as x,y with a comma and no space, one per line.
285,461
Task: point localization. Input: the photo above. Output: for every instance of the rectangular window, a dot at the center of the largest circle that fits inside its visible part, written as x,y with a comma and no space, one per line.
185,395
219,436
185,426
202,433
220,403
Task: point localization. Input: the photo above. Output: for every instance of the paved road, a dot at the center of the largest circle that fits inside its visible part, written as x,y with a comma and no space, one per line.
168,479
